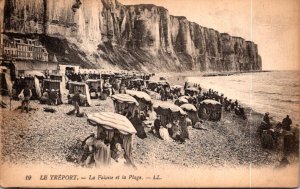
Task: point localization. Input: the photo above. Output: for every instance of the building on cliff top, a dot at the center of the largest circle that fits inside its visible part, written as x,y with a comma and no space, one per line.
24,49
26,55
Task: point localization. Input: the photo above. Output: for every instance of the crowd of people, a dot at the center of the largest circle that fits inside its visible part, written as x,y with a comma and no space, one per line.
174,129
80,77
270,134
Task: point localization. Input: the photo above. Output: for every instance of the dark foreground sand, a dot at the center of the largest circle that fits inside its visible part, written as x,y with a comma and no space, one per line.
54,138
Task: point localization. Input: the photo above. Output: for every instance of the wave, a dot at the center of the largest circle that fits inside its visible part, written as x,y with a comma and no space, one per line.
274,93
287,101
264,92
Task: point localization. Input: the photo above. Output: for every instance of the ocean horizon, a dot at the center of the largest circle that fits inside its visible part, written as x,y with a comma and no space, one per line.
276,91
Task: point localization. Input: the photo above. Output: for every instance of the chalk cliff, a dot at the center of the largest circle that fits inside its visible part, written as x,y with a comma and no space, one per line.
105,33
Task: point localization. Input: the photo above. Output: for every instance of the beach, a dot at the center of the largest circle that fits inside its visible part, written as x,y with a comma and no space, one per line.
55,139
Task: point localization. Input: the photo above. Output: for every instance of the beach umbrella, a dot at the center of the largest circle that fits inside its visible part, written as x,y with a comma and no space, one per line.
110,121
167,108
188,107
210,101
139,94
124,98
182,100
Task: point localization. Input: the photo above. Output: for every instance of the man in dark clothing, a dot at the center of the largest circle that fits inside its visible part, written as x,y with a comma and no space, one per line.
185,85
236,104
27,95
157,124
286,123
221,99
266,119
75,102
199,88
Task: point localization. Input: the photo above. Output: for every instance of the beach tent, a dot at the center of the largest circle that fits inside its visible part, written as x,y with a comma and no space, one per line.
111,123
33,83
210,110
94,86
75,86
168,111
53,84
5,80
191,110
142,98
128,106
124,102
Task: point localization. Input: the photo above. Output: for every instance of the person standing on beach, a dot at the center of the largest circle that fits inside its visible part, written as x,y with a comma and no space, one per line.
185,85
199,88
162,94
157,124
75,102
27,95
286,123
266,119
236,104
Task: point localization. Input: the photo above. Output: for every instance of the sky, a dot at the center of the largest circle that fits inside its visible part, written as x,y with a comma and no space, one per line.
274,25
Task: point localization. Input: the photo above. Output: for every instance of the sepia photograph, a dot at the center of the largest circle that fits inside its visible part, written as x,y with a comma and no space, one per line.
149,93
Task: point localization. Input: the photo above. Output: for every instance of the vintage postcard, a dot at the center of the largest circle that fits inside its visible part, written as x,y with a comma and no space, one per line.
149,93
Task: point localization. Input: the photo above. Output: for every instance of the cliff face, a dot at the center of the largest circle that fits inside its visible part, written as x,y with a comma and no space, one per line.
106,33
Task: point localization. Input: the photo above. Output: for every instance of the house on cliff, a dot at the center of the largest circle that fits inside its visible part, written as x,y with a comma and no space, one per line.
26,55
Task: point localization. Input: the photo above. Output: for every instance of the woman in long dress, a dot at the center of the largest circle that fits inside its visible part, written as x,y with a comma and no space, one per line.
102,152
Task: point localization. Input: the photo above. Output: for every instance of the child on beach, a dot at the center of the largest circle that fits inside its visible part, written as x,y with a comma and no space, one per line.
26,94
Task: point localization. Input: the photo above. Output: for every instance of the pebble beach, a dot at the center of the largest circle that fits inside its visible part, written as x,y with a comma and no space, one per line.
55,138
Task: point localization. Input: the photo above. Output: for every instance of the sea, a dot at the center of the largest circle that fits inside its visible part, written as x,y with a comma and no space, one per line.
276,92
